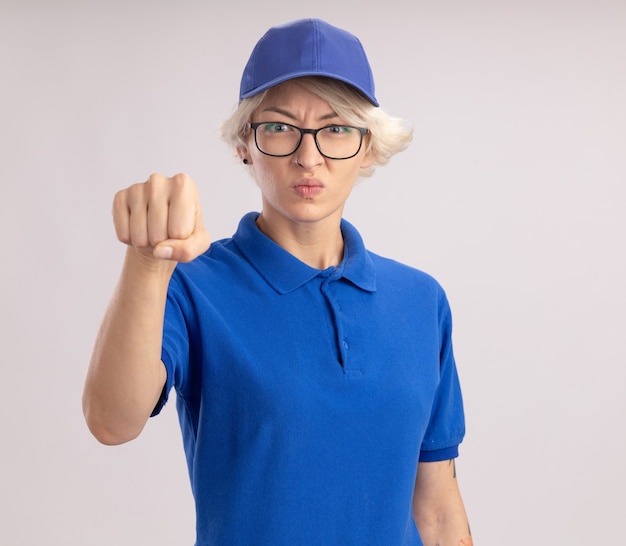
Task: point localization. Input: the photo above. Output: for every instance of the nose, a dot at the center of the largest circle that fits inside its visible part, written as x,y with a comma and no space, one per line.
307,155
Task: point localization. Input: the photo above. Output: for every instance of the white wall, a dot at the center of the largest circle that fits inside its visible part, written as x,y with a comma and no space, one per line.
512,194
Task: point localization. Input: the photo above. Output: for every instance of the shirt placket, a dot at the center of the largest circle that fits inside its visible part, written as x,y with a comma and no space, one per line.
329,289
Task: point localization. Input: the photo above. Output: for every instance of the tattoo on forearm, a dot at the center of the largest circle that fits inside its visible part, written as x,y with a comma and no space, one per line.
453,465
468,541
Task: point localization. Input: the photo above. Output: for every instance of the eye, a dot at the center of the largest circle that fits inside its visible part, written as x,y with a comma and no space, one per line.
338,129
275,127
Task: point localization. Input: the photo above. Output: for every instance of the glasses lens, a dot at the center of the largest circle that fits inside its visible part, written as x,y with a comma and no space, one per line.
339,141
277,138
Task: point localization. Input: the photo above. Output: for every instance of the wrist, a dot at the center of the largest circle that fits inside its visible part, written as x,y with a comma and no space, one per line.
143,262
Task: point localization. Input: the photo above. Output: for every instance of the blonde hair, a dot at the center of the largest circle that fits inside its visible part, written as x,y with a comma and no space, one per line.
387,135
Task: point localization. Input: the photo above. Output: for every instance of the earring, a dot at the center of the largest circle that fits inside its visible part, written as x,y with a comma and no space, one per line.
245,162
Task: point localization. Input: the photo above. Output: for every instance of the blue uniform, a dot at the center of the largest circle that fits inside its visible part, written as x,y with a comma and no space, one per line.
307,397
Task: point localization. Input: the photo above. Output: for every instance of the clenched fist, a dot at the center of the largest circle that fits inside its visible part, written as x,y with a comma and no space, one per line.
162,217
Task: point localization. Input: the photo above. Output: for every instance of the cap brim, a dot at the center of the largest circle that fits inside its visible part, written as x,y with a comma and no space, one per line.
302,74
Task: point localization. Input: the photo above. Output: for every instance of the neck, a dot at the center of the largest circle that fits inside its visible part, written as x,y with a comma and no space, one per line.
317,244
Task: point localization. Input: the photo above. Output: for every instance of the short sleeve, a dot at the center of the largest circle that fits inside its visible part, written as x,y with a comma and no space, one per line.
175,344
446,427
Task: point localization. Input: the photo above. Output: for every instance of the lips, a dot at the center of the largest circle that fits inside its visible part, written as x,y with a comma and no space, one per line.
308,188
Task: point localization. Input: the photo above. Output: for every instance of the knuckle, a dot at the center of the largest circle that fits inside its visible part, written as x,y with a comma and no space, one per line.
133,195
182,182
139,241
122,202
180,231
155,178
155,188
153,239
181,179
119,198
123,236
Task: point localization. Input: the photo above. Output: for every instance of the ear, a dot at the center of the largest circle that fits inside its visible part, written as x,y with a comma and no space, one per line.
368,160
243,153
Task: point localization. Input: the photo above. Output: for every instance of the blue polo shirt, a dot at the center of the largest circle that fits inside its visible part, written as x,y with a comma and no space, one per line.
307,397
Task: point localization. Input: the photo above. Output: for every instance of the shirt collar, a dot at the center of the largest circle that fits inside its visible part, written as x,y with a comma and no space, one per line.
285,273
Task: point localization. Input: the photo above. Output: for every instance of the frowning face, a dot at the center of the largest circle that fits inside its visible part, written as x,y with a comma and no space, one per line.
306,186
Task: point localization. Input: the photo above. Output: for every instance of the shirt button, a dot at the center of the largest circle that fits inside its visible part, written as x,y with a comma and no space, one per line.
345,344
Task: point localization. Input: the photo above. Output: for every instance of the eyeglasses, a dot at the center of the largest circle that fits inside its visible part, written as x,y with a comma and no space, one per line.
279,139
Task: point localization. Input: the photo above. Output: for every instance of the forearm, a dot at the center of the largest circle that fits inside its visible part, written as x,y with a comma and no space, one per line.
438,507
448,530
126,375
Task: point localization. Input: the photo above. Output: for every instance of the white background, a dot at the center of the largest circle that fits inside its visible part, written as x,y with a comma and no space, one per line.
512,195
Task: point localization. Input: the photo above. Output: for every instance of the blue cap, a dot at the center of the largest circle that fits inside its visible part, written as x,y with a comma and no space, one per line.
307,47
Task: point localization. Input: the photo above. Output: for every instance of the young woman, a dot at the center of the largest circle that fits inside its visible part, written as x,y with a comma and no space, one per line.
316,386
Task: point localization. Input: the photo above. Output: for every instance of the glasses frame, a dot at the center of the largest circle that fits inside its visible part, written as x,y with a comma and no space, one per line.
303,131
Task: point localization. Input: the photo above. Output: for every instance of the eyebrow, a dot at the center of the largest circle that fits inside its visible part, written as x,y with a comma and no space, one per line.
278,110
